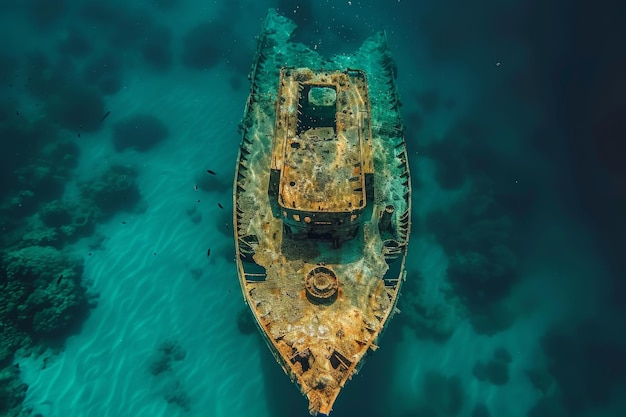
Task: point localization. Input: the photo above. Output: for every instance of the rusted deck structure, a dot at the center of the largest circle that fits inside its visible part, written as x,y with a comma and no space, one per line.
322,207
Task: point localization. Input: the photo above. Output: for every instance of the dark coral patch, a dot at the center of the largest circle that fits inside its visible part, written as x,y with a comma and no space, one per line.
77,108
203,45
141,132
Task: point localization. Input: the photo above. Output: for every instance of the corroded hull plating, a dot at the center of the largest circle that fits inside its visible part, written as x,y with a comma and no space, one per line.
322,206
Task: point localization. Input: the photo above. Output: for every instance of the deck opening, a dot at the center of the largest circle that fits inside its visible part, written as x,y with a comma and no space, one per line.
318,107
337,360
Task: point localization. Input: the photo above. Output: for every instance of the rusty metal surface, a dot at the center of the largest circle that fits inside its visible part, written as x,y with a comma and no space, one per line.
322,168
321,306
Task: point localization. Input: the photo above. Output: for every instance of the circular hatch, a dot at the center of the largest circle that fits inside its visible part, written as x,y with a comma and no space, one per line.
321,284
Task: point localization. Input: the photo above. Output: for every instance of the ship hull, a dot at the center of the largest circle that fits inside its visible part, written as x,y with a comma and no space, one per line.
321,299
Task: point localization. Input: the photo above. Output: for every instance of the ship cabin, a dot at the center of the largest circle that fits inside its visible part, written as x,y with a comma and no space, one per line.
321,179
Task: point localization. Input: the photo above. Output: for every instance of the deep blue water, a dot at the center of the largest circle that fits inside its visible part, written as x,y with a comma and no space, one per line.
111,113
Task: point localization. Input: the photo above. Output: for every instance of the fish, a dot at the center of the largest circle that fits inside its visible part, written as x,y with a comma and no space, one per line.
123,222
208,253
211,172
105,116
220,206
78,134
59,279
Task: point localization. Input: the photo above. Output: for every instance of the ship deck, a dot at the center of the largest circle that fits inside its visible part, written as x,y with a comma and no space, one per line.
320,308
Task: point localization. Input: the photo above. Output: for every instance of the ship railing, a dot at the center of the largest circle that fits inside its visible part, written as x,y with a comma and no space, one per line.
255,276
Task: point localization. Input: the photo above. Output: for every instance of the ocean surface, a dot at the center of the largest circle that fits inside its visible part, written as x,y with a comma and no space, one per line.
119,137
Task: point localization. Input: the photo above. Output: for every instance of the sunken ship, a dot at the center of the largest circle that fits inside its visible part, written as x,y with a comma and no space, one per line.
322,206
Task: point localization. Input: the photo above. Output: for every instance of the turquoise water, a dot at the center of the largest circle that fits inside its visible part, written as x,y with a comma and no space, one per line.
112,113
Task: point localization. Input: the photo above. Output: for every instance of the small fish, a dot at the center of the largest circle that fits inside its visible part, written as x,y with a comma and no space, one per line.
123,222
59,279
220,206
78,134
208,253
198,201
195,187
211,172
105,116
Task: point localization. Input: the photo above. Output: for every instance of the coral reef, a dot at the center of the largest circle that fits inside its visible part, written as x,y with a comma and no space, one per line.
496,370
12,391
44,296
168,352
77,107
478,237
114,190
178,396
435,320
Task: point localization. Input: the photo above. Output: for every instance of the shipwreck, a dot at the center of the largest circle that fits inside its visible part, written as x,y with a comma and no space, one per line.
322,206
